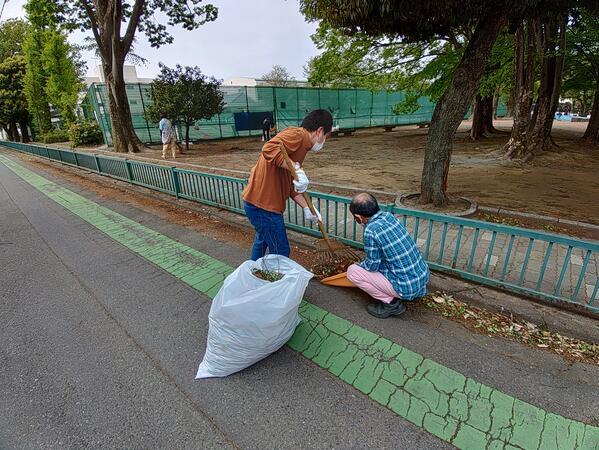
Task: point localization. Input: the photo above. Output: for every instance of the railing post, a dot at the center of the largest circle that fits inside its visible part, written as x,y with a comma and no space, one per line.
175,182
47,152
97,163
60,155
76,159
129,171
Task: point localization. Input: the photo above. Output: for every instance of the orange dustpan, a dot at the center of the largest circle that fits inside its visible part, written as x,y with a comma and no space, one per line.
338,280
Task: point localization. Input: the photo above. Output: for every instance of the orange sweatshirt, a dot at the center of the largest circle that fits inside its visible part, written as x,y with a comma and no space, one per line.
270,183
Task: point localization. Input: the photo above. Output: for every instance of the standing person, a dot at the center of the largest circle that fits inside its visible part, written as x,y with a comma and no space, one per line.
266,124
393,270
271,183
168,136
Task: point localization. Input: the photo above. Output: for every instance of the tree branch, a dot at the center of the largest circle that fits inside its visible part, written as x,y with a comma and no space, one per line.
94,23
138,9
400,63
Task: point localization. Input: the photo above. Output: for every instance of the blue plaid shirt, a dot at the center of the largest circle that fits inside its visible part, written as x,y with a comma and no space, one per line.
391,251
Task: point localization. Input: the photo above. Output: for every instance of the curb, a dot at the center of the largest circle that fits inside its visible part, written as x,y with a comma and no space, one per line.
577,223
471,209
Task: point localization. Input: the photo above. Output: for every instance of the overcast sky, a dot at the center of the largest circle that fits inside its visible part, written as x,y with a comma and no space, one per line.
247,39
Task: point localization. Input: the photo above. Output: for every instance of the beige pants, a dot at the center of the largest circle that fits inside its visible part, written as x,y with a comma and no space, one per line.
173,147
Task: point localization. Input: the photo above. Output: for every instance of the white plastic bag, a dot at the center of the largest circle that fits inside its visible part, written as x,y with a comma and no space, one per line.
251,318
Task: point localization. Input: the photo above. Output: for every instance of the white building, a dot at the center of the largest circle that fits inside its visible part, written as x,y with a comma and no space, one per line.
130,73
250,81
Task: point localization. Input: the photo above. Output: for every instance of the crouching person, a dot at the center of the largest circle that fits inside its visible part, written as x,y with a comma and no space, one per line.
393,271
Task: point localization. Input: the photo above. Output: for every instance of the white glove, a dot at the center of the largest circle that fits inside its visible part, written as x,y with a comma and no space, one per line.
301,185
311,217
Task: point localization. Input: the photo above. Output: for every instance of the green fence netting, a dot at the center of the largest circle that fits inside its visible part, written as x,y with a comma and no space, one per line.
351,108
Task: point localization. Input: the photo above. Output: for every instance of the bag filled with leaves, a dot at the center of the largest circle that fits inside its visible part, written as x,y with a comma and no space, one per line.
253,315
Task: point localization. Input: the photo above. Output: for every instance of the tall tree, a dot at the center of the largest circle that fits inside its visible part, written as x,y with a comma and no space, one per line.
42,17
13,104
12,35
278,76
496,79
540,49
185,95
114,24
582,74
421,22
552,37
62,83
524,80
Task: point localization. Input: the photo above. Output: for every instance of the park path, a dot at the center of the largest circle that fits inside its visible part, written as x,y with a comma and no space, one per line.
87,279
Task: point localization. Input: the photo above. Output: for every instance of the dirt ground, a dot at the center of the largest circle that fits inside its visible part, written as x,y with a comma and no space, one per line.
563,184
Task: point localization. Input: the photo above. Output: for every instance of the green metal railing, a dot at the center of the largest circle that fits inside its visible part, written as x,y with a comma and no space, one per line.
545,266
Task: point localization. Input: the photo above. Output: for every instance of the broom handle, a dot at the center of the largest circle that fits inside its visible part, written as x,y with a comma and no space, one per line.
291,166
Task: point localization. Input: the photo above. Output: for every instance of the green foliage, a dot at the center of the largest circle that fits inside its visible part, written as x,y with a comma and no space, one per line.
35,81
499,74
53,66
62,82
185,95
114,24
39,14
85,133
142,14
410,46
386,63
12,35
581,74
53,136
421,21
13,104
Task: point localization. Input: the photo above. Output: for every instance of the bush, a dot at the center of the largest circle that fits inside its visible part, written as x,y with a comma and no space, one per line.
54,136
85,133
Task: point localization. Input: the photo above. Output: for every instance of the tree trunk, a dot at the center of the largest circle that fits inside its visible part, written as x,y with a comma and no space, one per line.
591,134
124,138
524,78
495,104
13,132
187,126
553,39
24,130
482,118
451,107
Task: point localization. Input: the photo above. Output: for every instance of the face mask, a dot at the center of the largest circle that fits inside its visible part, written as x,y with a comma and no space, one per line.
318,145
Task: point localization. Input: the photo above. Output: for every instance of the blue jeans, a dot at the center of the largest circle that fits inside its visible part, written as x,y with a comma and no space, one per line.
270,232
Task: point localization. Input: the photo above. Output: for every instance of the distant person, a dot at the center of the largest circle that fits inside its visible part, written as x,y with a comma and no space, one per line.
168,136
266,125
394,270
271,184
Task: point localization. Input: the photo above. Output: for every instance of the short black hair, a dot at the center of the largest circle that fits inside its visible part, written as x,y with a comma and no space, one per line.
163,115
364,205
318,118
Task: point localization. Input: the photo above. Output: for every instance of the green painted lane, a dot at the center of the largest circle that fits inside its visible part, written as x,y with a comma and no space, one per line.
457,409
